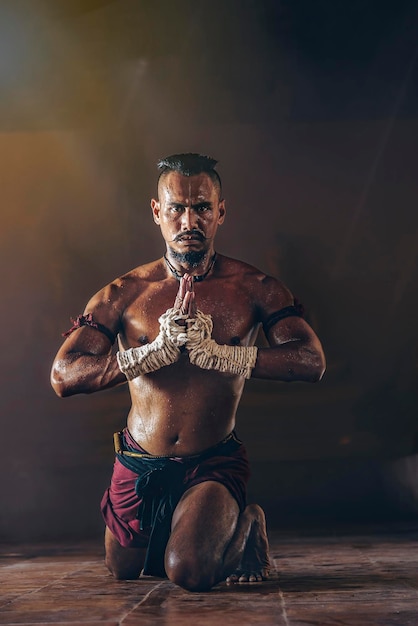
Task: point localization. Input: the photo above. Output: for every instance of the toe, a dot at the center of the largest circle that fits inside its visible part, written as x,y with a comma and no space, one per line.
232,579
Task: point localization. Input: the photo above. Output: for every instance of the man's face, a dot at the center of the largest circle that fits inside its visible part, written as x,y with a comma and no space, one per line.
188,211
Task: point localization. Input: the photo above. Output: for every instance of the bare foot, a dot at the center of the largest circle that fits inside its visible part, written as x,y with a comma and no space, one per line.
255,564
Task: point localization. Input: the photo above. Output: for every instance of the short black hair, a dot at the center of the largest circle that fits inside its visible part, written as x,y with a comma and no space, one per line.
190,164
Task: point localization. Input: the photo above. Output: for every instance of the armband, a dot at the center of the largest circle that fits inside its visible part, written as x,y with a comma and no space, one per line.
87,320
295,310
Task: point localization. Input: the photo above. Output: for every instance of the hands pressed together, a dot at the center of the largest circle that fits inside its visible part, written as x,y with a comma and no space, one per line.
184,326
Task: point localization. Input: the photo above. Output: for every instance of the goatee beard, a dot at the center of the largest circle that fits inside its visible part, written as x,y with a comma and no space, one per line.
193,258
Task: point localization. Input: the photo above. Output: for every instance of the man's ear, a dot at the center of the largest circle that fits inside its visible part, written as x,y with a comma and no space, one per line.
222,212
155,207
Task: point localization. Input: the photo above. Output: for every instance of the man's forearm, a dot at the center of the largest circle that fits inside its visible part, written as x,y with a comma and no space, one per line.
291,361
163,351
81,373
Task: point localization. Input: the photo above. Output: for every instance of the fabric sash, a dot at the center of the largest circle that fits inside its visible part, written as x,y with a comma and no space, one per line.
159,486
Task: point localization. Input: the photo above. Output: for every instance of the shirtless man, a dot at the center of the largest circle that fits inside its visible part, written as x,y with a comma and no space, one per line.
186,326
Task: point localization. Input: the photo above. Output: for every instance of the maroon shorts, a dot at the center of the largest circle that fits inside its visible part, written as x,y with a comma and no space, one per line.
226,463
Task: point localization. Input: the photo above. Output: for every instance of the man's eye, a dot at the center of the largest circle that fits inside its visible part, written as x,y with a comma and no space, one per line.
203,207
177,208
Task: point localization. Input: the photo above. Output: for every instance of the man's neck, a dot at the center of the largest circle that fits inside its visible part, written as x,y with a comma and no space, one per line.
197,265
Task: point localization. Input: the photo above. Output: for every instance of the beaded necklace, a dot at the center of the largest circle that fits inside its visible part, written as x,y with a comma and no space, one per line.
196,279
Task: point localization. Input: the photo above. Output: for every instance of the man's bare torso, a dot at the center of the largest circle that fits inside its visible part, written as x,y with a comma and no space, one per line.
181,409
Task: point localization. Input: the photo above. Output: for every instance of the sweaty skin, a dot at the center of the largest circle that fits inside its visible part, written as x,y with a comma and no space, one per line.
181,409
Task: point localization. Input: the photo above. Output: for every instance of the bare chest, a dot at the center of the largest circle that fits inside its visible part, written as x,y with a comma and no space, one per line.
230,306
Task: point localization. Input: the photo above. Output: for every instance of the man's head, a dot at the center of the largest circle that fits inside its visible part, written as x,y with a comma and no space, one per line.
190,164
189,208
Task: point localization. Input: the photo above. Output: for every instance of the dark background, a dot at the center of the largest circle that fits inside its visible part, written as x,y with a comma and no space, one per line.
311,109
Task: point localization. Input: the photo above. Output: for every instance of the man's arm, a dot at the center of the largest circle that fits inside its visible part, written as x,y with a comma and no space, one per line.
85,362
295,352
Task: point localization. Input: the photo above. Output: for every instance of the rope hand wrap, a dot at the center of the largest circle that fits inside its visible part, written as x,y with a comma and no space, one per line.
164,350
209,355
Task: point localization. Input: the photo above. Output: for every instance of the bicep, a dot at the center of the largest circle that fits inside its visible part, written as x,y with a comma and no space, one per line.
296,352
94,332
279,313
290,329
84,341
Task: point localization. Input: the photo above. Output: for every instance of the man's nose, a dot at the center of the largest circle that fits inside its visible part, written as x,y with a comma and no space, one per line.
188,219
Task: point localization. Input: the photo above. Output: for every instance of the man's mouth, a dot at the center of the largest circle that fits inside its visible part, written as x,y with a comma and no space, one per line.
190,237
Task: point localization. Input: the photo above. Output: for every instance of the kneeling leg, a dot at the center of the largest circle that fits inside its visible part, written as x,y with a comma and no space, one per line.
210,539
123,563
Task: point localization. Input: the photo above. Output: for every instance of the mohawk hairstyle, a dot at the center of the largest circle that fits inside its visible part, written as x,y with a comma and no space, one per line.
190,164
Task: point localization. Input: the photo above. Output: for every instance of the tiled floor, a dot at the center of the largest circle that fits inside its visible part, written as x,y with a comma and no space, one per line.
335,580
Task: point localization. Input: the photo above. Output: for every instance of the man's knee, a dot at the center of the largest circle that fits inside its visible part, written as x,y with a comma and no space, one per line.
186,572
122,571
123,563
254,513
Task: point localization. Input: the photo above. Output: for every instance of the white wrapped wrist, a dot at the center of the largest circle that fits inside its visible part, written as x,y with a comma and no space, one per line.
207,354
164,350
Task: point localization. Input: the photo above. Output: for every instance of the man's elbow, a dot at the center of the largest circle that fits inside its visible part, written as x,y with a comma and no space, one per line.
314,364
318,367
317,374
59,382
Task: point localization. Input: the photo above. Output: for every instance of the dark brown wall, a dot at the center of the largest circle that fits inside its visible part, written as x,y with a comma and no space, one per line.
313,116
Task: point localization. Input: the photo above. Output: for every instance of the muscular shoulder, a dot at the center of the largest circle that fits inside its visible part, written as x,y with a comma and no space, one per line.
138,279
266,291
109,304
265,294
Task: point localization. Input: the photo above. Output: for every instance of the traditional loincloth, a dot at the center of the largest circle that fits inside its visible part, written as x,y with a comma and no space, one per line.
145,490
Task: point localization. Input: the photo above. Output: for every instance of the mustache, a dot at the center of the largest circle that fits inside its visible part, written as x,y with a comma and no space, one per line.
190,233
